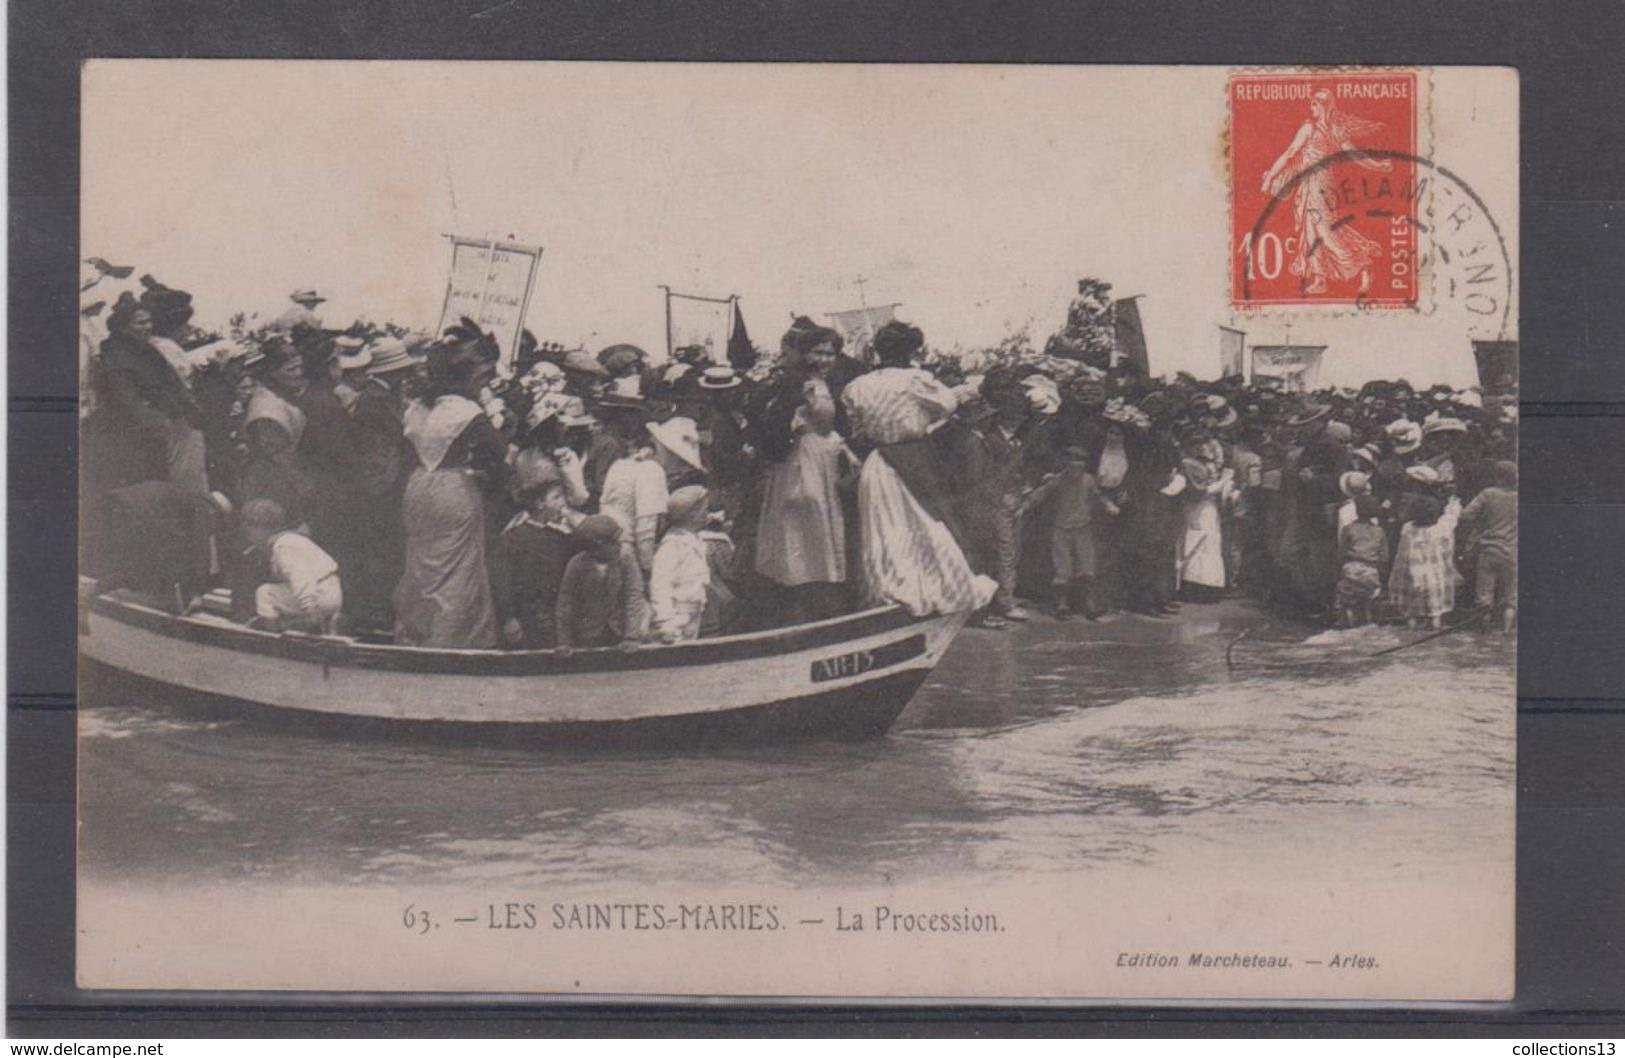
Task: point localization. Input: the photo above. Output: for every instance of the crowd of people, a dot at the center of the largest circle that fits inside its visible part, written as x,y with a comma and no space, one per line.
378,483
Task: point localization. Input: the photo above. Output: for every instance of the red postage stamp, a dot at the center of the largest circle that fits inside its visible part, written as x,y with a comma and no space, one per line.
1324,189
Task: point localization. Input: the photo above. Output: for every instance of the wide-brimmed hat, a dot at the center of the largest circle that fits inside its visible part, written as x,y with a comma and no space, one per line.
1312,412
352,352
1368,453
1404,435
386,355
306,297
545,407
574,413
720,377
1354,483
1423,474
680,436
1443,424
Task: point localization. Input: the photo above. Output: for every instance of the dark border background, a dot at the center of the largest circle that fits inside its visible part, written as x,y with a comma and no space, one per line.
1571,812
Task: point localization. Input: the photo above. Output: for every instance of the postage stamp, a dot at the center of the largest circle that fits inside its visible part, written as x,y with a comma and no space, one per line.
1323,189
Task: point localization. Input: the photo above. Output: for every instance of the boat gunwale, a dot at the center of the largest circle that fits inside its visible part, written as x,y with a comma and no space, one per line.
347,653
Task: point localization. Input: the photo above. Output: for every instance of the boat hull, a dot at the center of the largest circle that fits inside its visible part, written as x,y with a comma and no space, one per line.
846,679
852,714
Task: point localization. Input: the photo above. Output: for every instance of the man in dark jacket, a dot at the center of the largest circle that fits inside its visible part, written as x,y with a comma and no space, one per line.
384,459
328,447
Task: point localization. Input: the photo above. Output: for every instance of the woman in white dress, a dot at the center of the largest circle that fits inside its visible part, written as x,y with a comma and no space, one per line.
1208,487
910,556
801,535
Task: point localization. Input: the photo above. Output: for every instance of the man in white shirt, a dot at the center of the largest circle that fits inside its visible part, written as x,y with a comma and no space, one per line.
303,591
635,496
303,313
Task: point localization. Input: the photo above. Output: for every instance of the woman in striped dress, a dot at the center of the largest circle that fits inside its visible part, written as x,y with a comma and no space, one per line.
906,513
1422,585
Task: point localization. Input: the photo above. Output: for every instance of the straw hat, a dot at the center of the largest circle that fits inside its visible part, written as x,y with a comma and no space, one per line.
387,355
1367,454
1311,413
1404,435
681,437
1442,424
306,297
1354,483
352,352
574,413
719,377
545,407
1422,474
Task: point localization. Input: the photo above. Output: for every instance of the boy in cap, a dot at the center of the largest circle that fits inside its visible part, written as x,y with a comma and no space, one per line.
601,598
682,569
1490,524
1362,548
528,571
1079,504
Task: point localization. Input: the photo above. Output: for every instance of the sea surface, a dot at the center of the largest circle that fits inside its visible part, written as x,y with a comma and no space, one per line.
1048,748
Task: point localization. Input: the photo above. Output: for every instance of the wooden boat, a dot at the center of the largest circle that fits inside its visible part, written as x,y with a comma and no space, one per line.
848,677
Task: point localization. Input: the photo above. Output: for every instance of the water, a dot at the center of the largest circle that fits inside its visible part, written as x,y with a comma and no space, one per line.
1049,748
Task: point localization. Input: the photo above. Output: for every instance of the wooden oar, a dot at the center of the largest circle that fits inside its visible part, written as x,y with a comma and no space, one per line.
1473,616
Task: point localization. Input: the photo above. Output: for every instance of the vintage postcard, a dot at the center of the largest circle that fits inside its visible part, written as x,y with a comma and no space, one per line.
864,531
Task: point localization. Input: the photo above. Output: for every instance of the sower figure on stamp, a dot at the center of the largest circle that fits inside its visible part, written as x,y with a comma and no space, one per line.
1325,249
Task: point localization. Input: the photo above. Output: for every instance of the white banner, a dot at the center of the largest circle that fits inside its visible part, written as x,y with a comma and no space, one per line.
1232,347
858,327
703,322
490,283
1298,366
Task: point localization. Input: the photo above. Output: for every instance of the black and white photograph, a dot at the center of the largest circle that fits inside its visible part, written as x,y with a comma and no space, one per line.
873,531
